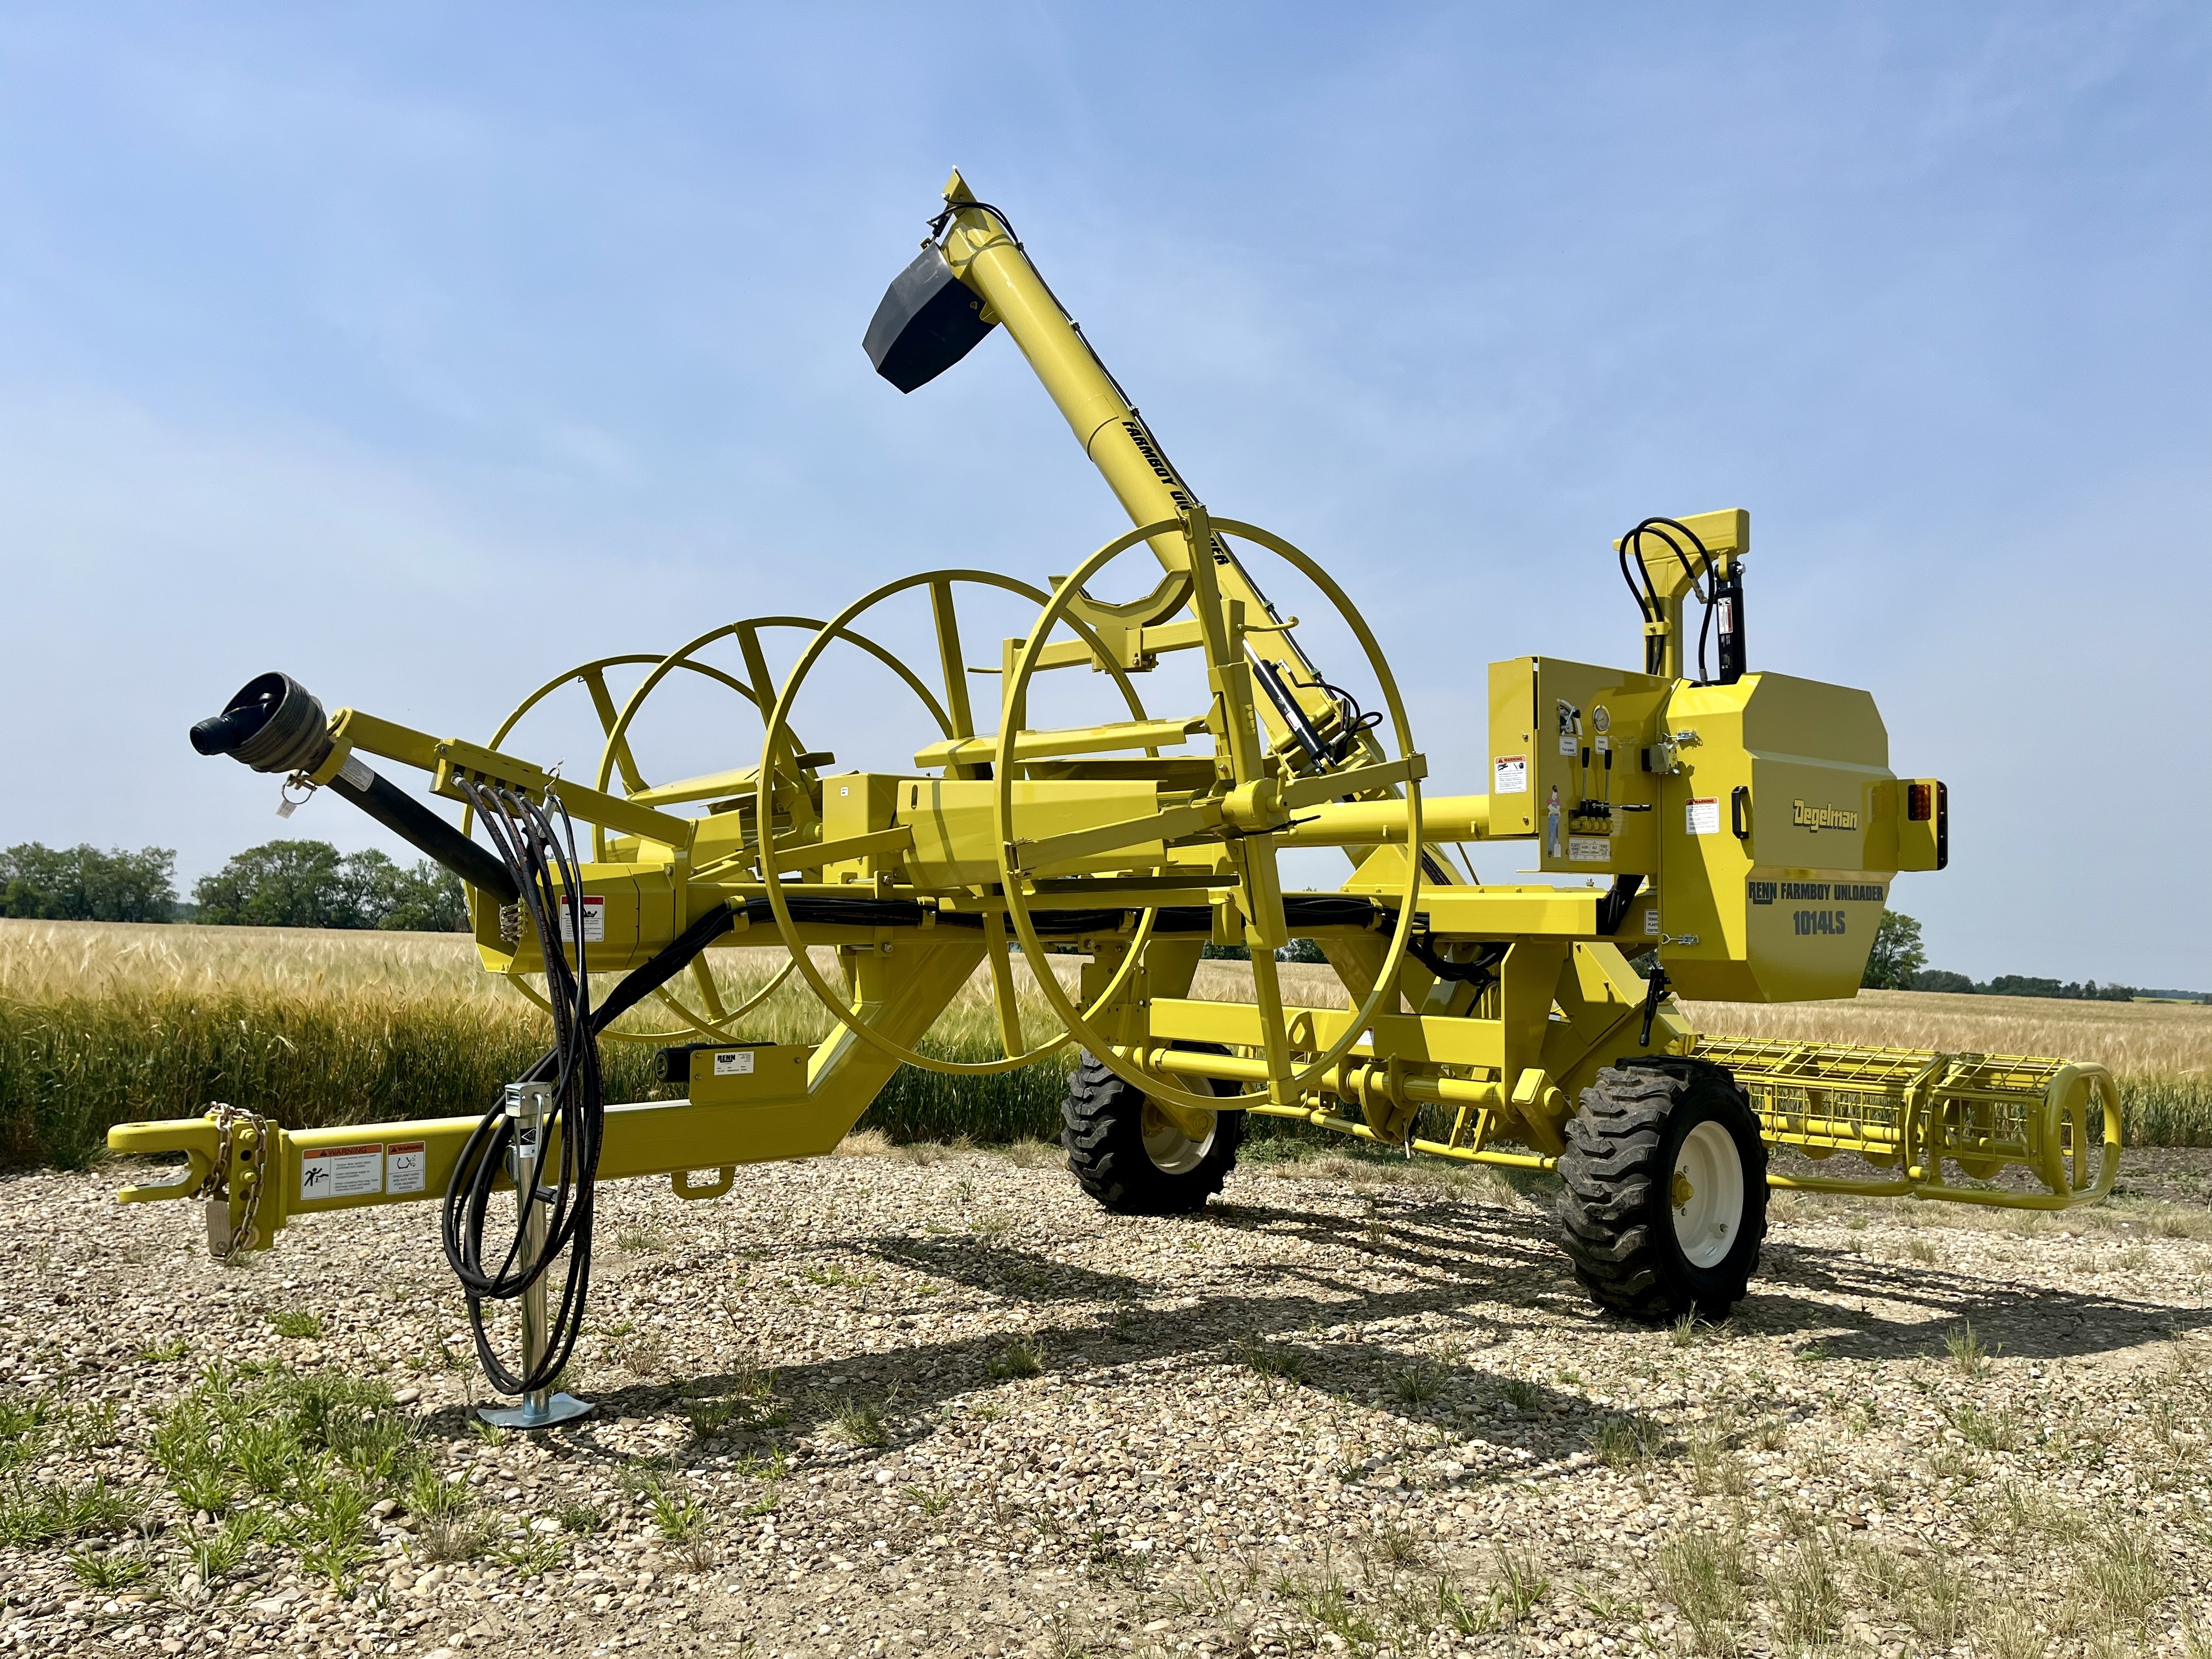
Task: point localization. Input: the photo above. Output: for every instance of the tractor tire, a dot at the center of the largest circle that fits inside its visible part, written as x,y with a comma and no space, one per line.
1663,1204
1130,1157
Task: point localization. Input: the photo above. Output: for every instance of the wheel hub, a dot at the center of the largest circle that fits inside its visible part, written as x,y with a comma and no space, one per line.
1170,1147
1707,1195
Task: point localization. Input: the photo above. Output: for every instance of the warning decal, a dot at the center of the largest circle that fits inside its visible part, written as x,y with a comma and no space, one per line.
406,1163
736,1062
595,921
1705,816
1511,775
341,1172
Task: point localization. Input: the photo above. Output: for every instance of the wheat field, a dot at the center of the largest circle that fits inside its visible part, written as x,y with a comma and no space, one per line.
101,1022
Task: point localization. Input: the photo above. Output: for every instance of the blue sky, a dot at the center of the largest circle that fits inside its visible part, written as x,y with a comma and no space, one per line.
425,351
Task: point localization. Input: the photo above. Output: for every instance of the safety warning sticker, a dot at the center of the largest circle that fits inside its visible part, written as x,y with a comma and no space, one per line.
1511,775
406,1163
736,1062
1589,849
1705,816
341,1172
595,921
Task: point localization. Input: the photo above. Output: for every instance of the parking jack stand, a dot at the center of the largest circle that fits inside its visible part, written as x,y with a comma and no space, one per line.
541,1408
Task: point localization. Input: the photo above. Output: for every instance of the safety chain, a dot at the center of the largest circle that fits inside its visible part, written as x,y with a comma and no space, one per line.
227,1119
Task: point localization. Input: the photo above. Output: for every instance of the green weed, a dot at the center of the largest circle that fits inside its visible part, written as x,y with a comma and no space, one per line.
1417,1384
110,1571
1268,1359
1024,1356
1703,1574
1521,1393
862,1425
677,1515
1967,1352
36,1512
532,1553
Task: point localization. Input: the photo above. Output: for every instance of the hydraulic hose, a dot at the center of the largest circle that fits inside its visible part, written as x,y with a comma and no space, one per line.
423,830
545,869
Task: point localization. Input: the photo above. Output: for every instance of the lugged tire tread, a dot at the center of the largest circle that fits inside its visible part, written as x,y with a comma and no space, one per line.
1606,1175
1101,1133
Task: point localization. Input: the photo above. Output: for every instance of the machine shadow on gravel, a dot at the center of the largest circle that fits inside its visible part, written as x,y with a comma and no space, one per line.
1456,1261
2025,1321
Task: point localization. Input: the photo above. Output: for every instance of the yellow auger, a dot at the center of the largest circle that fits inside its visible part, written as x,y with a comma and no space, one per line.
1732,832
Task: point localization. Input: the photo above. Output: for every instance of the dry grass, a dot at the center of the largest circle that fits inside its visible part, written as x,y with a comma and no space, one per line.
102,1021
50,962
2135,1039
44,961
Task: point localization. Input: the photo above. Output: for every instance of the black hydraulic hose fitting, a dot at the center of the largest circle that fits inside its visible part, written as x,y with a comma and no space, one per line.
424,830
1728,599
273,725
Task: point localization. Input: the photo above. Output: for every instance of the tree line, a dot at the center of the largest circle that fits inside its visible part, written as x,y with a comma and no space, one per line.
280,884
310,883
1899,962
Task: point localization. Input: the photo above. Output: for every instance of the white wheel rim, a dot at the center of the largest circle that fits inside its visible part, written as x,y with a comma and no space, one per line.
1173,1151
1708,1194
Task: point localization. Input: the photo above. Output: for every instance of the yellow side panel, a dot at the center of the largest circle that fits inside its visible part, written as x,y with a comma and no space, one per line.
956,844
1566,763
629,913
1768,842
746,1073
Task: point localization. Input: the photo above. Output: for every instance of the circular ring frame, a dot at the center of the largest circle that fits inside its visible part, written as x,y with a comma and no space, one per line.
1386,979
832,630
710,1026
682,658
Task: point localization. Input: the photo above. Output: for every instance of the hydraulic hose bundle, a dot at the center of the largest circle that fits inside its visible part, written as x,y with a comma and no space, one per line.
1715,589
544,866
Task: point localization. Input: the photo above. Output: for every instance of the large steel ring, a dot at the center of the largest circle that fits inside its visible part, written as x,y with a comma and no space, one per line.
1386,982
771,876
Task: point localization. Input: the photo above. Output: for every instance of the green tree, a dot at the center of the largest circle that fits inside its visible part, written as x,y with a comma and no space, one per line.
307,884
423,898
1298,950
279,884
82,884
1942,979
1897,955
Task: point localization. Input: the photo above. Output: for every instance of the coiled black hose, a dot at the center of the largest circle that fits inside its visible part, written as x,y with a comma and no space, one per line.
544,867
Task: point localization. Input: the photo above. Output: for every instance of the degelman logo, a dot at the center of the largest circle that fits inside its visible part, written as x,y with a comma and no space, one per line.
1817,819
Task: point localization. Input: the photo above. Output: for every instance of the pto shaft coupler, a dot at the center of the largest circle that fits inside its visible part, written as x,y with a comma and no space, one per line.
275,724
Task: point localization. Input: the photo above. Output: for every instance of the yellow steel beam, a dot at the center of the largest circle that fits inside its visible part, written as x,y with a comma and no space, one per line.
1078,740
985,256
443,758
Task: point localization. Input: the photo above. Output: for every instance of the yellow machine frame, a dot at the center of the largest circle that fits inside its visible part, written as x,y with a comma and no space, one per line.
1710,820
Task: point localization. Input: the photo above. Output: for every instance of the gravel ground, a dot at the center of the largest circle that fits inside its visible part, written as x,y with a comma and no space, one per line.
937,1402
